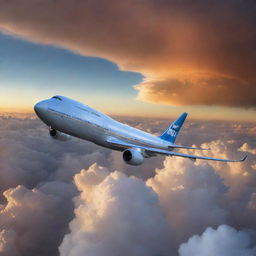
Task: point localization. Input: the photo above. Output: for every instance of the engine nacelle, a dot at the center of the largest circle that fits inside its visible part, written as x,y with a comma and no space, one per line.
58,135
133,157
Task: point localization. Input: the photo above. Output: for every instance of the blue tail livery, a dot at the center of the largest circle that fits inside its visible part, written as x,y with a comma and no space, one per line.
172,132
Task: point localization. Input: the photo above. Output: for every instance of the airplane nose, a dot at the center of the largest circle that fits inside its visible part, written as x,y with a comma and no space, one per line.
40,107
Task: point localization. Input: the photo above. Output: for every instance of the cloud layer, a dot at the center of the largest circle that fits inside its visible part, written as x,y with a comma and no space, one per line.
49,206
191,52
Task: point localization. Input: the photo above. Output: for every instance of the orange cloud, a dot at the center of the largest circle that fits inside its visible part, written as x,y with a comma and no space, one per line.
198,89
191,52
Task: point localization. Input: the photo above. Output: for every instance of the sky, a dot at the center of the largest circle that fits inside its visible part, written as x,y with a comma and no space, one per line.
194,56
30,72
144,62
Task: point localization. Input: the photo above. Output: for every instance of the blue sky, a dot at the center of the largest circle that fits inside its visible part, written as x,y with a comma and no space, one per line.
46,70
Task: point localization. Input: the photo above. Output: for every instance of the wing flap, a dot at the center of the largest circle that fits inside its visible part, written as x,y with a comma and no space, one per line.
187,147
119,143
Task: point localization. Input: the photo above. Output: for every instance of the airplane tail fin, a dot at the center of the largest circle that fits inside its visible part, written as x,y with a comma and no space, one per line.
172,132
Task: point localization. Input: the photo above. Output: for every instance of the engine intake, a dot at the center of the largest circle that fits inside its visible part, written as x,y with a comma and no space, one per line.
58,135
133,157
53,132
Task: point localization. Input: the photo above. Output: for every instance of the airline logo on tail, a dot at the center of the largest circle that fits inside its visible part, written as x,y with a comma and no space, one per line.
171,131
175,126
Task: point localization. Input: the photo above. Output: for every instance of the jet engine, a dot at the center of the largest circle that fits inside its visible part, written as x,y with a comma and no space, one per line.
58,135
133,157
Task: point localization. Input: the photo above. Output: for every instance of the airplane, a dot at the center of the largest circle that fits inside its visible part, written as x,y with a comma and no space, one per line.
66,117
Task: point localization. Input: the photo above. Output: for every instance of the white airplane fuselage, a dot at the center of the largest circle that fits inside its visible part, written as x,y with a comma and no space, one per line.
81,121
67,116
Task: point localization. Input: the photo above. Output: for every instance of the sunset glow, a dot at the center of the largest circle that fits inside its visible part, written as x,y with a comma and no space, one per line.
176,61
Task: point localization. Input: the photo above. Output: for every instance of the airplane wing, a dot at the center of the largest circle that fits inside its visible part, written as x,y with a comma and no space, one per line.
186,147
125,145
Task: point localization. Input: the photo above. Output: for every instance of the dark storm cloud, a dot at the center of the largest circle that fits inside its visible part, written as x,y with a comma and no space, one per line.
195,52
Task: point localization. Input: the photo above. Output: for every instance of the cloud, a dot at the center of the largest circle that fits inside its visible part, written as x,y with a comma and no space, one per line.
239,177
198,89
36,217
36,185
225,240
109,221
29,156
200,52
7,243
246,148
192,196
155,207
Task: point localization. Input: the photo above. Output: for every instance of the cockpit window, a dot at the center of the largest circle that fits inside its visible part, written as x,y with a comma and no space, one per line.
56,97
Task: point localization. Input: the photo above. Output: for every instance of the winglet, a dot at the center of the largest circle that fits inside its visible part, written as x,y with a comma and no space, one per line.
243,159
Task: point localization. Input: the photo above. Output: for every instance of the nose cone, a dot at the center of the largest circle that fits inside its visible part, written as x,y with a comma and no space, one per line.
40,108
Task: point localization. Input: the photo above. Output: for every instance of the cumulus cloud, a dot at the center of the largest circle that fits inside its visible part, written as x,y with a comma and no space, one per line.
7,243
240,177
107,208
225,240
109,221
192,196
246,148
29,156
36,217
36,185
200,52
